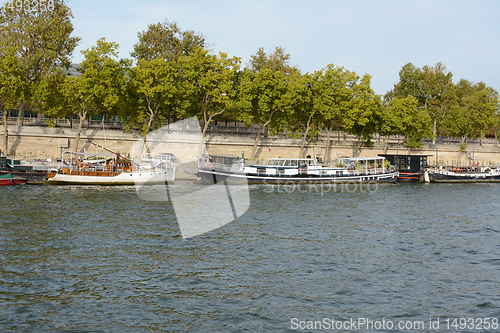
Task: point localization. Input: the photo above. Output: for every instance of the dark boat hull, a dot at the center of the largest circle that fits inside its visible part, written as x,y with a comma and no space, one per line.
464,178
216,176
32,177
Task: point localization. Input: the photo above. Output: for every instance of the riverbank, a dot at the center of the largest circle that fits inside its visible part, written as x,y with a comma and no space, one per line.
35,143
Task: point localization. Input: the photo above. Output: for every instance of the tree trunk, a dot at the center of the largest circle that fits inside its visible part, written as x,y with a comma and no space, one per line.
82,116
327,148
256,142
308,128
20,116
435,132
5,133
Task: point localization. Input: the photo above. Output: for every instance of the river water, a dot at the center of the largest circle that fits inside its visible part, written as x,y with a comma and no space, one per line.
101,259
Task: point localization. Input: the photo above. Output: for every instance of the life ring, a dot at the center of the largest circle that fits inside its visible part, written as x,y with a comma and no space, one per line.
82,165
379,171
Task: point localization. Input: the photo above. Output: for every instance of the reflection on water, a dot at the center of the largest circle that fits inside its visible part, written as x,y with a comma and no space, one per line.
93,259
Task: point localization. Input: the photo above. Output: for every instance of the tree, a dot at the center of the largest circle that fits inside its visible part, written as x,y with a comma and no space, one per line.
262,99
332,98
11,87
428,85
362,118
473,108
299,113
279,61
210,82
166,40
40,33
403,117
154,88
99,89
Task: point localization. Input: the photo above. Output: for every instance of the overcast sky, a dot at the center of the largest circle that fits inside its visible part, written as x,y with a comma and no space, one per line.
376,37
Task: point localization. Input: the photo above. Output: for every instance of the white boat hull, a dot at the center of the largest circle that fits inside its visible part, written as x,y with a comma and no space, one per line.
124,178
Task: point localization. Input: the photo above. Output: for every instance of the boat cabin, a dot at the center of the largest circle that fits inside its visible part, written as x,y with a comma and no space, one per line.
8,164
410,167
408,163
290,162
222,162
289,167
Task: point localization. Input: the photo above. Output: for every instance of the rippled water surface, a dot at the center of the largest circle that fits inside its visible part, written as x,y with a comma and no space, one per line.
100,259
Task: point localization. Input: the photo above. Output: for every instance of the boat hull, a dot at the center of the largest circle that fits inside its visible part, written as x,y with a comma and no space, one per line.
453,177
32,177
13,181
216,176
124,178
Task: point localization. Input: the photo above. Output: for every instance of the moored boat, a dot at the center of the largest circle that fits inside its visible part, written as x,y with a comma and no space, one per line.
9,179
296,170
462,175
112,169
411,167
21,170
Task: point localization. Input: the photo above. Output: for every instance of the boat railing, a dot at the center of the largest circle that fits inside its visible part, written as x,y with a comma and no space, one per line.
369,170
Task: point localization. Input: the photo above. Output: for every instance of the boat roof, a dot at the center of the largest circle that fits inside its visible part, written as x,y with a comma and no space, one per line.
403,155
89,154
222,155
368,158
291,158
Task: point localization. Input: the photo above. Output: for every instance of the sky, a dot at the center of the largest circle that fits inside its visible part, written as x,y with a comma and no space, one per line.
376,37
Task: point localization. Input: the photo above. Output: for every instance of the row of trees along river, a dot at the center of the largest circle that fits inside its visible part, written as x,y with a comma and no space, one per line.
174,74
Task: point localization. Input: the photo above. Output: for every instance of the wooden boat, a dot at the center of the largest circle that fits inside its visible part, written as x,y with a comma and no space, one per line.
295,170
112,169
462,175
9,179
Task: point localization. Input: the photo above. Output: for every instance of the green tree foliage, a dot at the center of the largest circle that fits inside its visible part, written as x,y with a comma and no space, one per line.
166,40
299,116
210,83
403,117
41,38
429,85
99,89
332,91
11,87
155,89
472,109
361,119
262,100
279,61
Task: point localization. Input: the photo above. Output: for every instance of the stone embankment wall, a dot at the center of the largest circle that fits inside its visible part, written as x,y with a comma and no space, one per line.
32,142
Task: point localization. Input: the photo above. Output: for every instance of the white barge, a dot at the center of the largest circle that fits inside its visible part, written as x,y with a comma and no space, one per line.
295,170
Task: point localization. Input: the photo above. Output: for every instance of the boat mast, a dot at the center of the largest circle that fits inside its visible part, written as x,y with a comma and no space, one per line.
112,152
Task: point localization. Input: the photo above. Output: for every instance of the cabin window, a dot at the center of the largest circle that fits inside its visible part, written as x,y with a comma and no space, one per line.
302,164
281,163
287,163
293,163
